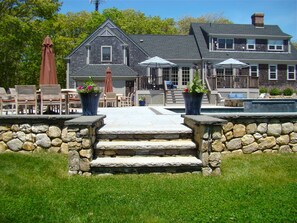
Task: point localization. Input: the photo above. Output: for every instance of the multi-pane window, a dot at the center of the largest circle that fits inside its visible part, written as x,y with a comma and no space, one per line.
254,71
185,75
165,73
106,53
225,43
251,44
291,72
276,45
174,75
272,72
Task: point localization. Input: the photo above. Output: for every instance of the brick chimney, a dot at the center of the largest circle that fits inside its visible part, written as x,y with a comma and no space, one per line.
258,19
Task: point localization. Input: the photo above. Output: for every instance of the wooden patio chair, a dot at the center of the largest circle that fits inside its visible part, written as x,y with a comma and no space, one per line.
102,100
26,96
6,100
73,101
51,96
111,98
126,101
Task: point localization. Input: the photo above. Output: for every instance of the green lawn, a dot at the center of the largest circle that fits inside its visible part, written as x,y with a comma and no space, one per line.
253,188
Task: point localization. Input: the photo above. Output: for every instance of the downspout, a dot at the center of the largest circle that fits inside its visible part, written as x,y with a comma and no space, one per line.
67,73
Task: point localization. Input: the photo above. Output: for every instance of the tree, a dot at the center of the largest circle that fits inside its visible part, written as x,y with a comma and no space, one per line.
183,25
20,37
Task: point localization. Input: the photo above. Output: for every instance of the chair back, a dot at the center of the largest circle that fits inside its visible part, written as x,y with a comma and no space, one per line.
51,92
3,93
12,91
25,92
111,95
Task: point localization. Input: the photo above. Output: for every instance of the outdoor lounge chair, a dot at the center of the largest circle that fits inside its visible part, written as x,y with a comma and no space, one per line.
51,96
6,100
26,96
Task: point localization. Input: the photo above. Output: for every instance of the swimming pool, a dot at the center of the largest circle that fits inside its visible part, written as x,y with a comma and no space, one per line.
211,110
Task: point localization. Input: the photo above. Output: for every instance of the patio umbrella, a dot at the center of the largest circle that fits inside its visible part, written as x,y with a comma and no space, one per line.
108,81
157,62
48,73
231,63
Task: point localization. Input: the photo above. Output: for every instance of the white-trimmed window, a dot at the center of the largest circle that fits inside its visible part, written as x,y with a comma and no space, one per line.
185,75
276,45
272,72
225,43
291,72
254,71
250,44
106,53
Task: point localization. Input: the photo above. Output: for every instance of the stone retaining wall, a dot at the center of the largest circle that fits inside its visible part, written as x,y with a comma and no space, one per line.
241,134
214,136
33,134
257,134
72,135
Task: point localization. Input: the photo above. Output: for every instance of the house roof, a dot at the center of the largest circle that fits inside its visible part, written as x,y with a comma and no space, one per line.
169,47
243,30
201,34
99,70
107,25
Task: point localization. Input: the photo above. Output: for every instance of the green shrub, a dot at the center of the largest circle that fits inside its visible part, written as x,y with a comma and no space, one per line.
288,91
263,90
275,91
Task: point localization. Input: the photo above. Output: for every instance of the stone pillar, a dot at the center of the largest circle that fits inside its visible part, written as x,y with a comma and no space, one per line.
81,134
208,139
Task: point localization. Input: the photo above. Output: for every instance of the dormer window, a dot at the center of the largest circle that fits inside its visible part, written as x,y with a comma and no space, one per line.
276,45
106,53
251,44
225,44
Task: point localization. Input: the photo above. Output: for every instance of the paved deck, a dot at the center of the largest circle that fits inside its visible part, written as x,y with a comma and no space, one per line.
142,119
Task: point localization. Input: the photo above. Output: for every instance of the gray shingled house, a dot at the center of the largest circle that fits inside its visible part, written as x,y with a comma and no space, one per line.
268,51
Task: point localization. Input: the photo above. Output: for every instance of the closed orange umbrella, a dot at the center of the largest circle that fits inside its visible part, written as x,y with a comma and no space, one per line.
48,73
108,81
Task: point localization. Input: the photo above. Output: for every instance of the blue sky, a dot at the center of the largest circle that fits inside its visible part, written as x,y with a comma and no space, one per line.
276,12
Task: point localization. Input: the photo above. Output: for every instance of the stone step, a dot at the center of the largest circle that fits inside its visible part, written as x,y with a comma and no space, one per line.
145,148
138,164
143,134
146,145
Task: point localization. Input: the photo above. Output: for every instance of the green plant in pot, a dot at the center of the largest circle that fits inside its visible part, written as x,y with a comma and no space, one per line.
193,95
89,94
141,101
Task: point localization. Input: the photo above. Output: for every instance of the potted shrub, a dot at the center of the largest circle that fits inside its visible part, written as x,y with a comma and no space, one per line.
193,95
288,91
275,91
141,101
89,95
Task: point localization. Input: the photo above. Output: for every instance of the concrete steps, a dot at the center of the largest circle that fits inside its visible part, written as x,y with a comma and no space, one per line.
176,97
145,151
149,164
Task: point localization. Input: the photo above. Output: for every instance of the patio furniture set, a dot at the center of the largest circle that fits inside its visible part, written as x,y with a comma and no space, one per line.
51,99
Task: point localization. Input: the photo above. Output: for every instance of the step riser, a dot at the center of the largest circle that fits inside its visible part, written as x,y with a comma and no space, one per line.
133,137
137,170
144,152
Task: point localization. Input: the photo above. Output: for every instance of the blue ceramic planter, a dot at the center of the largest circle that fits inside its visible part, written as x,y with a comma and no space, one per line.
89,103
193,103
141,103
